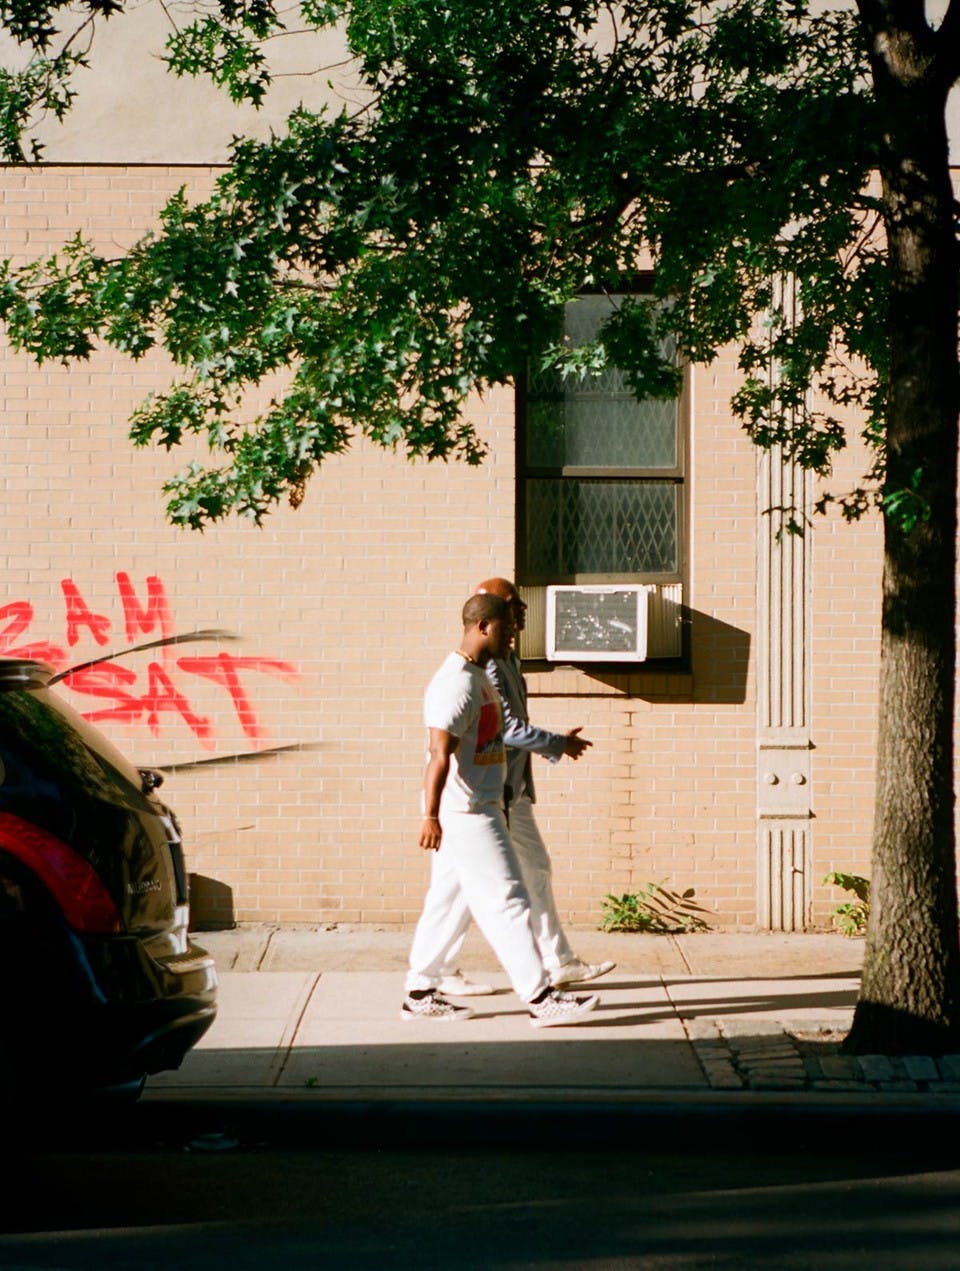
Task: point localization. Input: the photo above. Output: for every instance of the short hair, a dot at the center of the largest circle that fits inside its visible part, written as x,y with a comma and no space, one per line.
484,608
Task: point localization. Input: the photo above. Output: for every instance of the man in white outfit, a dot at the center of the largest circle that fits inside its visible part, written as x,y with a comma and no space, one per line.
465,826
523,740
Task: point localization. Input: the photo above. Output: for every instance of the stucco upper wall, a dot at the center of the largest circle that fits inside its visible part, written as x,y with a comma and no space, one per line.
130,110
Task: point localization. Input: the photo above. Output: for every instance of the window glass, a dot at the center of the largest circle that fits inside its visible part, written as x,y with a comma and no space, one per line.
601,473
596,421
587,526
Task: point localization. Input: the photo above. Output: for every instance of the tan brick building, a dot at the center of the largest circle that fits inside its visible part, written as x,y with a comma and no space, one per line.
737,759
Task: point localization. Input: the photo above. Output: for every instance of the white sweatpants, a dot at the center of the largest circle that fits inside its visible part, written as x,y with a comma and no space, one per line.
555,950
534,860
476,873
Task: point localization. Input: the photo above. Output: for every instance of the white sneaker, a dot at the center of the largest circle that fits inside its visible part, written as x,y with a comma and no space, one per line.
560,1008
577,972
457,985
434,1007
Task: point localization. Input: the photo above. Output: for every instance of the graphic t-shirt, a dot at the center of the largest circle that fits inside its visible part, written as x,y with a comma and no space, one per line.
461,700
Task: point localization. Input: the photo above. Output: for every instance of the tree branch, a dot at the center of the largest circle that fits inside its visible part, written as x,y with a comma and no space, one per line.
900,23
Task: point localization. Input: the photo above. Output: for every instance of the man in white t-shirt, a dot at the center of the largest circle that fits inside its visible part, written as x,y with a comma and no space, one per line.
523,740
464,824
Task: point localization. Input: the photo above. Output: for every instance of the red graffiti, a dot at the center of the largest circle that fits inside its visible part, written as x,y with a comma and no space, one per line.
79,614
224,669
111,681
119,687
162,697
139,621
18,617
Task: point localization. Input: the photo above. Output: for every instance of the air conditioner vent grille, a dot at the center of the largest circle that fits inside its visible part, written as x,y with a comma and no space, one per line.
596,623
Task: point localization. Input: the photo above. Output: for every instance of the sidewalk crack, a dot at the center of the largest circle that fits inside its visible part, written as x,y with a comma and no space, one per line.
279,1065
711,1048
265,950
679,948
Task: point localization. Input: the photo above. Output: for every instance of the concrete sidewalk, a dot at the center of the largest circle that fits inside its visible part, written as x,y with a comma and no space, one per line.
314,1015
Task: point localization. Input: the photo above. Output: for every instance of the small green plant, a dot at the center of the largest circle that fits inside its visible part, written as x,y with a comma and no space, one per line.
850,918
653,908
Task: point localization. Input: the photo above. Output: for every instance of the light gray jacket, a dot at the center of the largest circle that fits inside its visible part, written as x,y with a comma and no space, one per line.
523,739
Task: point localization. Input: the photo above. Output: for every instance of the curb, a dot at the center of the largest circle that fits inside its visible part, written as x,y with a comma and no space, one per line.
705,1122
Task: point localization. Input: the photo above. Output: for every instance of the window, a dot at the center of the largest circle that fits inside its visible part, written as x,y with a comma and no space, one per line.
600,484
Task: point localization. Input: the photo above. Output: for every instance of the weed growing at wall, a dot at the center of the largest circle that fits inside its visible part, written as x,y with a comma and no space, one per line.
850,918
653,908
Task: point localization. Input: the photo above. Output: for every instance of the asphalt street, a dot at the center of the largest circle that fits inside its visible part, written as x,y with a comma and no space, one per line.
254,1189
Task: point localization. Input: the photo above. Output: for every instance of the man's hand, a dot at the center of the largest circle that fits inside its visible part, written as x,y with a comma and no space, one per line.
574,745
430,834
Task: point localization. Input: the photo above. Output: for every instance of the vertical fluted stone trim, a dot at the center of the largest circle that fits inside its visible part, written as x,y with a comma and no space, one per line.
784,626
783,868
784,807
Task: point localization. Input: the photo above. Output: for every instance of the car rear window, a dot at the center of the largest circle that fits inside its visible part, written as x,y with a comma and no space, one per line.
44,723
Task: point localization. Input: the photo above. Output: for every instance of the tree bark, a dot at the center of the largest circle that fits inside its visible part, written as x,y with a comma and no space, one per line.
910,992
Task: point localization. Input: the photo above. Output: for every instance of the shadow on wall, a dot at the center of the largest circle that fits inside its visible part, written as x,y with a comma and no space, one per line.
720,657
211,905
714,667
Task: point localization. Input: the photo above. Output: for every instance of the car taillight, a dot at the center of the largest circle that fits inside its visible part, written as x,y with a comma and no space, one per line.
73,882
172,827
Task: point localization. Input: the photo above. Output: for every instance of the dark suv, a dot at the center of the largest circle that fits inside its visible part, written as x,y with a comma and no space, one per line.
99,983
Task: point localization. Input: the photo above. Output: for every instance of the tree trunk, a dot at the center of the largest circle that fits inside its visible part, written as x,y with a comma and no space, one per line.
910,993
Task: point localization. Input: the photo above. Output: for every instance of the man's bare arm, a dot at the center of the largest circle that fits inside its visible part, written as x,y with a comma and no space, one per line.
442,746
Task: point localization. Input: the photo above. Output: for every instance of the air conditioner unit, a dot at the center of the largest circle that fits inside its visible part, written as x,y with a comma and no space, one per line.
597,623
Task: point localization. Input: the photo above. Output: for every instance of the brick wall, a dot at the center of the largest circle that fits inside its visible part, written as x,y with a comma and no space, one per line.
293,742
